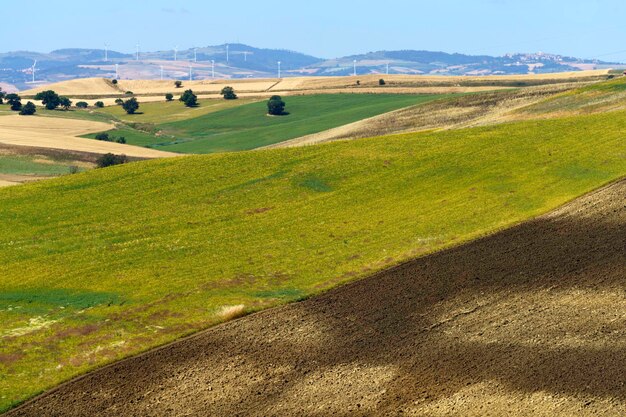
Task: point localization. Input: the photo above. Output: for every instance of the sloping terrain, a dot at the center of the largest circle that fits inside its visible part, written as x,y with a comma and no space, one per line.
531,320
61,133
108,263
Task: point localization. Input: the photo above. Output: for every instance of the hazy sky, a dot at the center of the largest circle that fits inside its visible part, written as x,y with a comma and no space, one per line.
325,28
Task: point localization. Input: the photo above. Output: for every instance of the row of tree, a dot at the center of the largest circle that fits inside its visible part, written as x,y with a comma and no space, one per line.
15,102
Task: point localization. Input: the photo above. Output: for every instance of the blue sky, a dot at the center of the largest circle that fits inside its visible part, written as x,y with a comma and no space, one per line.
325,28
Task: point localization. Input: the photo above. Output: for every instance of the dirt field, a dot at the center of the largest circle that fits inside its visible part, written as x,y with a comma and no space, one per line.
59,133
530,321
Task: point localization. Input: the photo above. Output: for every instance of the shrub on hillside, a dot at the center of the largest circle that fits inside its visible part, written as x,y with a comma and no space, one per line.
65,102
276,106
121,139
49,98
103,136
113,81
99,104
28,109
229,93
119,101
131,105
110,159
82,105
178,84
129,93
381,82
189,98
169,97
14,101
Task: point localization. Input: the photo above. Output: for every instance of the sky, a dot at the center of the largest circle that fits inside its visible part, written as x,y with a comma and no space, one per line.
324,28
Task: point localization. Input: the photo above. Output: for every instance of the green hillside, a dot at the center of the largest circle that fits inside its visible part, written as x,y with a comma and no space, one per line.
107,263
248,126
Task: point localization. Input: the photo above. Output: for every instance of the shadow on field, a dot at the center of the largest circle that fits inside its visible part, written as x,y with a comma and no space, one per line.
536,310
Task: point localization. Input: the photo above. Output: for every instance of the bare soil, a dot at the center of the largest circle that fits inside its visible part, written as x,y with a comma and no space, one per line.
529,321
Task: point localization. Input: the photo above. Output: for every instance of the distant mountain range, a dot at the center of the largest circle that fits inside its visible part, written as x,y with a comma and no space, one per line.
243,61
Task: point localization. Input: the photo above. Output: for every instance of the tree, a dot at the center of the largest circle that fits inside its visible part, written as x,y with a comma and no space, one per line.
109,159
121,139
49,98
189,98
82,105
103,136
381,82
178,84
131,105
276,106
114,81
119,101
14,101
28,109
229,93
65,102
169,97
99,104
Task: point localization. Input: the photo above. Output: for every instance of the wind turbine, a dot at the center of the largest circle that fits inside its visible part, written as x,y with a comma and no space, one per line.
278,69
245,56
137,56
227,54
190,74
387,68
34,65
117,72
161,72
212,68
354,67
106,52
176,53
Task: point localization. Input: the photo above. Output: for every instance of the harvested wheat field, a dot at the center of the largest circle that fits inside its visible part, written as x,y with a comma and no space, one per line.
529,321
81,86
60,133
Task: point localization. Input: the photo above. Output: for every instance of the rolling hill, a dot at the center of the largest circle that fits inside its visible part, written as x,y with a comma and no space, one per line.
244,61
107,263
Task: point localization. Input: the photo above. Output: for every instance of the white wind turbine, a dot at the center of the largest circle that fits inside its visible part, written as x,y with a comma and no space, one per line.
34,65
161,72
176,53
106,52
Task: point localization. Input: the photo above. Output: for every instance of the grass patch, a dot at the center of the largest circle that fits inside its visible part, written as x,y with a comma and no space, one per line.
248,127
25,165
178,239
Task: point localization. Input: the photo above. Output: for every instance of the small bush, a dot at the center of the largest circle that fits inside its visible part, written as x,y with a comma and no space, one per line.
103,136
189,98
110,159
129,93
276,106
381,82
82,105
178,84
358,82
169,97
121,139
229,93
131,105
114,81
119,101
29,109
99,104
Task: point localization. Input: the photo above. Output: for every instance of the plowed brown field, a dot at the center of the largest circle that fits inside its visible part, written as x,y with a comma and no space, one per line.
529,321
